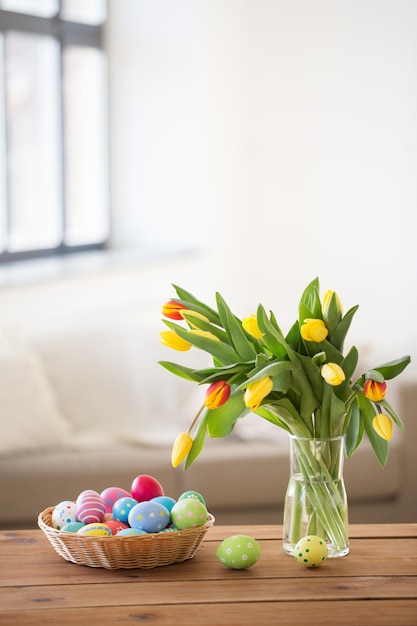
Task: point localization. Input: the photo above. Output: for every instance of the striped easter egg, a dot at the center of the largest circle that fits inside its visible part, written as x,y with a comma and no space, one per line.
90,507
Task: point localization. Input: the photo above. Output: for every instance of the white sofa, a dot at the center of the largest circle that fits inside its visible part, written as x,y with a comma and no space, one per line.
85,405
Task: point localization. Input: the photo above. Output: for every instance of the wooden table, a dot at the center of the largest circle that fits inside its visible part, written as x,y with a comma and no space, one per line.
376,584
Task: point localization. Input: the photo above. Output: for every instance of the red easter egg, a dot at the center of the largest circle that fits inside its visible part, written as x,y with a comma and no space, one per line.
145,487
115,525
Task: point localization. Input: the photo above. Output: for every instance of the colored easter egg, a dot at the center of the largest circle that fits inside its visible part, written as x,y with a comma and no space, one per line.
192,494
90,507
238,552
122,507
166,501
131,532
188,513
311,551
115,525
95,530
63,513
111,494
72,527
145,487
149,516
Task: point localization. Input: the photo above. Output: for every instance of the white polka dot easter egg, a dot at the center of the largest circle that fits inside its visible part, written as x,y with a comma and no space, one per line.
188,513
311,551
238,552
192,494
64,513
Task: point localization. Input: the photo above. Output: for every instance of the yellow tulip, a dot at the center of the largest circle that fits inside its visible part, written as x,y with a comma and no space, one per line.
382,424
326,302
314,330
333,374
256,392
172,340
181,448
250,324
204,333
192,314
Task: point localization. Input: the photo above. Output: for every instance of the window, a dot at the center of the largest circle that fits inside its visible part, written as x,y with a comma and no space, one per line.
53,127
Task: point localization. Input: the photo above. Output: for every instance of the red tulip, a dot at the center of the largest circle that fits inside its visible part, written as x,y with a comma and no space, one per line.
217,394
172,310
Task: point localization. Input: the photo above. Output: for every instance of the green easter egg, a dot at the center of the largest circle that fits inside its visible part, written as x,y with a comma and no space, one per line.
311,551
188,513
192,494
238,552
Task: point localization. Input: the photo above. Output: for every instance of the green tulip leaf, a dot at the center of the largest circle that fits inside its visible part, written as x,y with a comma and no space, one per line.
218,349
337,339
354,431
379,445
182,371
198,441
190,302
272,369
393,368
233,327
221,421
310,301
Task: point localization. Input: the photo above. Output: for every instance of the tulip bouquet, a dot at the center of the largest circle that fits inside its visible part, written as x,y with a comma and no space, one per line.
301,382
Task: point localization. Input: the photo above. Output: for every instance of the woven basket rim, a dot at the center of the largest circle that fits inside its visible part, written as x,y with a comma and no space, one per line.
160,535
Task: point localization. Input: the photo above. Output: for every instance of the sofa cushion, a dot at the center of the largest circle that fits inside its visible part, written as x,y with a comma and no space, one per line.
31,419
105,373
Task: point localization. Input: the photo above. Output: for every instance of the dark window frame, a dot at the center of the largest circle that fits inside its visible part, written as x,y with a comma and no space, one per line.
66,33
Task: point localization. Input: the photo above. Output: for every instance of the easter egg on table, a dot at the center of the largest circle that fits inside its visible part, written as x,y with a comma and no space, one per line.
145,487
311,551
90,507
111,494
188,513
64,513
149,516
238,552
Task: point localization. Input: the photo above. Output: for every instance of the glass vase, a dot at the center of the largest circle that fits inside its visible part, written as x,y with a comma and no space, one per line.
315,501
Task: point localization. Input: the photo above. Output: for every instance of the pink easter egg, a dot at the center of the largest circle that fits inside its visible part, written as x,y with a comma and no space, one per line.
111,494
90,507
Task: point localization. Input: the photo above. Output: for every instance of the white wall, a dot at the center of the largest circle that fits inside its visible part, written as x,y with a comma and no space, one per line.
280,138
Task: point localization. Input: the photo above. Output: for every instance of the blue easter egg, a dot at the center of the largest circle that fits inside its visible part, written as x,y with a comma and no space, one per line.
149,516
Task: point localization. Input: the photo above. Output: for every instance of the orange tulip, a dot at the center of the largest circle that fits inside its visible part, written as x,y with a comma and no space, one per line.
374,391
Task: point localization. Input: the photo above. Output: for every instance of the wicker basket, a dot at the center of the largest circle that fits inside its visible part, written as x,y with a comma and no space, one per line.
140,551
